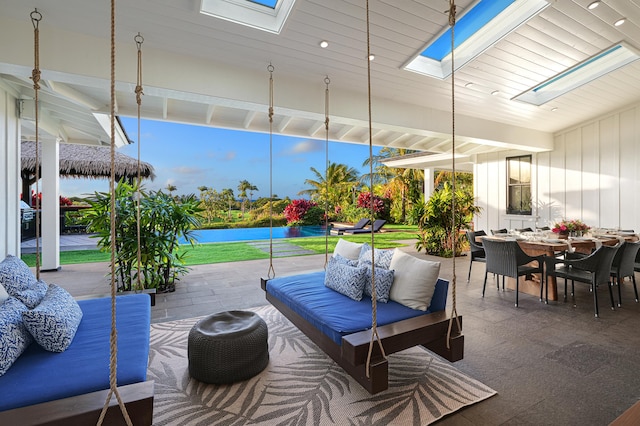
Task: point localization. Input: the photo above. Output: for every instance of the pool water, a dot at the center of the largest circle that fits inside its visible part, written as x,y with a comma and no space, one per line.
250,234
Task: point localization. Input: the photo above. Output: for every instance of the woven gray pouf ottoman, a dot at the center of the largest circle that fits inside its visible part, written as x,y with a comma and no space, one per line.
228,347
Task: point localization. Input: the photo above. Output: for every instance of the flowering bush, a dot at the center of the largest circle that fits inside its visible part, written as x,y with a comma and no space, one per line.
296,211
64,201
364,201
566,226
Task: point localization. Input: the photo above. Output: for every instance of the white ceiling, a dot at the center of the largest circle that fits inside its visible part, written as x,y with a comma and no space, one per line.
207,71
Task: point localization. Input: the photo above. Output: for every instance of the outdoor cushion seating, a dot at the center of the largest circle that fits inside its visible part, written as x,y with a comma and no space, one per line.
228,347
360,225
376,227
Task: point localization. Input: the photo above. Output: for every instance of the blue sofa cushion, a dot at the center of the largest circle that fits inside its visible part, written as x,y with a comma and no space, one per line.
53,323
14,337
84,366
335,314
18,280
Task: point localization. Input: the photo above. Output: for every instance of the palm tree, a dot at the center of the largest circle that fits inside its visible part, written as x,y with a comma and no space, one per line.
251,188
227,195
171,188
243,187
334,188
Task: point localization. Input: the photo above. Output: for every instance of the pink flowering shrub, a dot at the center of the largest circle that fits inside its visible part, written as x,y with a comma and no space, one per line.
296,212
364,201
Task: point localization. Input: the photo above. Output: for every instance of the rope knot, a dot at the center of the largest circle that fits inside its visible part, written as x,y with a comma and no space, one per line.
35,76
139,94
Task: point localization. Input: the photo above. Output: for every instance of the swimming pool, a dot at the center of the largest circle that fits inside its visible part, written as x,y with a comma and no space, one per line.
250,234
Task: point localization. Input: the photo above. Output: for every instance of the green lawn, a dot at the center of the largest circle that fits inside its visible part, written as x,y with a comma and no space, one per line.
232,252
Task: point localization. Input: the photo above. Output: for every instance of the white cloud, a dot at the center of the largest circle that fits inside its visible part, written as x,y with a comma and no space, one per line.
305,146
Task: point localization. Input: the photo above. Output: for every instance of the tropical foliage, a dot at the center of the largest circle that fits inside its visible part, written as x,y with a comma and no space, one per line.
436,232
335,188
303,212
163,222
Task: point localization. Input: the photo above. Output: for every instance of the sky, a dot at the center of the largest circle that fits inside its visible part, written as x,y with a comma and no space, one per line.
188,157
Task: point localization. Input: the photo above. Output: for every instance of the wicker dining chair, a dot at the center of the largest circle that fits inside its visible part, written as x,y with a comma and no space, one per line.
506,258
593,269
499,231
476,250
623,266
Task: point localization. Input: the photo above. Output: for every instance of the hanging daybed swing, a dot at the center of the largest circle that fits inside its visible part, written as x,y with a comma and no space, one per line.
339,325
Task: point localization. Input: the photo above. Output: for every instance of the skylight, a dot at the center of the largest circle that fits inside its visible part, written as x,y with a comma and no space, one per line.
582,73
479,28
265,15
271,4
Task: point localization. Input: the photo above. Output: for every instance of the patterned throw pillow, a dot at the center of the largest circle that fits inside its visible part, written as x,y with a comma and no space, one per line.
382,257
54,322
345,279
340,259
18,280
383,280
14,337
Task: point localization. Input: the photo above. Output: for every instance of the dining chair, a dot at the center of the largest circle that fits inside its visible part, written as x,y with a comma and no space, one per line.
476,249
499,231
544,228
623,266
506,258
593,269
524,230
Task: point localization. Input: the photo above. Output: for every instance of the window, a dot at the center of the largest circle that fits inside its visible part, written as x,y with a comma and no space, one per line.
519,185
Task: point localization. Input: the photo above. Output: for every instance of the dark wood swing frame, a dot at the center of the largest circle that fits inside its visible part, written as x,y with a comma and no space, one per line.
429,331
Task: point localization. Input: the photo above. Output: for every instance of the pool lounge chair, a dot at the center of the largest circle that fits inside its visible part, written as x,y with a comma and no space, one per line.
360,225
377,226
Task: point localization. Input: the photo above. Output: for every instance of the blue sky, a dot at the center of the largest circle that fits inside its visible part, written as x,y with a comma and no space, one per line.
191,156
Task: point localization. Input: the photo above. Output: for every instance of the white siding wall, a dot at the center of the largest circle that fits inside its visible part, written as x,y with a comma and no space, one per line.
9,182
592,174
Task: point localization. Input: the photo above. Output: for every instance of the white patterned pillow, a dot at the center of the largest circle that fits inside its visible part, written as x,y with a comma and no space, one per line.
14,337
382,257
3,294
18,280
344,260
54,322
383,280
345,279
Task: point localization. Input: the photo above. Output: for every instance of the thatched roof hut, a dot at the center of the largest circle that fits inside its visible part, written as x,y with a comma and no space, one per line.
86,161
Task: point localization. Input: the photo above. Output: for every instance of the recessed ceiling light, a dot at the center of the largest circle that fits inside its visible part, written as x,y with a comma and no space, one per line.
372,57
324,44
620,22
495,92
468,85
593,5
554,109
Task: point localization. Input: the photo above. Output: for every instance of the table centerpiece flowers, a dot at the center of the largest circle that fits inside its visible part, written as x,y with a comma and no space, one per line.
574,228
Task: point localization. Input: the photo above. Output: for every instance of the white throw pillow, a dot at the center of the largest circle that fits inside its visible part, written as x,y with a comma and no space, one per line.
414,280
347,249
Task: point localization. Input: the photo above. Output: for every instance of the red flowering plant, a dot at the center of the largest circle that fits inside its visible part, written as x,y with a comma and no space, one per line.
301,212
567,226
364,201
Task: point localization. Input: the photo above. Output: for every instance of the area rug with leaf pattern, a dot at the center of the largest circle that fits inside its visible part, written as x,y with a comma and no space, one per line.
303,386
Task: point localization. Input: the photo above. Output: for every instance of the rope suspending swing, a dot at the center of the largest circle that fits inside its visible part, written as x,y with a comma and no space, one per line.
326,171
139,92
375,337
454,230
36,17
271,273
113,386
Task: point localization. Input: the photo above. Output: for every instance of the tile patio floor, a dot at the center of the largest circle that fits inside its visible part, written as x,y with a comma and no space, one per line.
550,364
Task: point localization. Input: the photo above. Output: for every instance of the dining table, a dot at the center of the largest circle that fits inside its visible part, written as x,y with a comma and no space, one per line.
551,247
